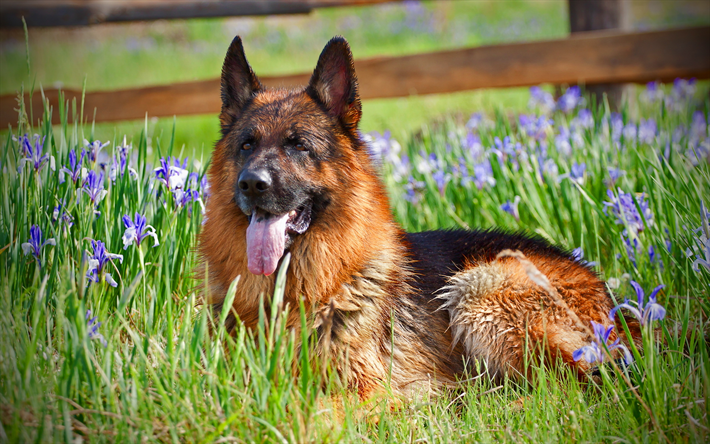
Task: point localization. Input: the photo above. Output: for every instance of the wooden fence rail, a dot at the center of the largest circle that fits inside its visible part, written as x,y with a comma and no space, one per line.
46,13
589,58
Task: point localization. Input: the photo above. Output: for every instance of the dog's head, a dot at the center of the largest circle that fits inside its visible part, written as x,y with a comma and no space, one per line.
285,151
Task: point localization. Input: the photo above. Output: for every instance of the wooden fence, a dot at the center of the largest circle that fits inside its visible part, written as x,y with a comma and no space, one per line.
46,13
589,58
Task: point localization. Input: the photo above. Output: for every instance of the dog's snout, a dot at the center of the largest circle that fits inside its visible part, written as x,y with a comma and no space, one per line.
254,182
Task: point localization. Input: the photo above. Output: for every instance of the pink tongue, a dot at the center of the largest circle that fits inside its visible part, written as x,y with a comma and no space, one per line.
266,239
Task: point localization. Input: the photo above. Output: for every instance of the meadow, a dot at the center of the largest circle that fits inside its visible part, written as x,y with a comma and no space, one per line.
102,334
103,338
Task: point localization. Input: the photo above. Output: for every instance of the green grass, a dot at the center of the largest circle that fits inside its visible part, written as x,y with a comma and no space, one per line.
161,377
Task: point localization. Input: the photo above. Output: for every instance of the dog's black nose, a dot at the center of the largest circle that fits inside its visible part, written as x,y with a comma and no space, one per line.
254,182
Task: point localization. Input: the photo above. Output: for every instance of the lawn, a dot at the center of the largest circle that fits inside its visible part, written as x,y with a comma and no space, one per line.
102,335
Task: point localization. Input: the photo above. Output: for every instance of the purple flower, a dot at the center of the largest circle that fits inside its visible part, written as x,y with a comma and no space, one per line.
60,214
698,127
576,173
647,131
632,246
629,132
562,142
681,94
472,145
594,352
541,99
98,260
75,168
614,175
483,174
570,99
585,119
137,230
35,244
512,208
172,173
624,209
94,148
653,92
535,127
474,121
428,164
33,153
184,196
645,313
578,255
94,187
119,163
413,190
703,241
617,126
441,179
93,328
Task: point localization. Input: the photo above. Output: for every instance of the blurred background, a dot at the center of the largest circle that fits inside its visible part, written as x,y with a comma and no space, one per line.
124,55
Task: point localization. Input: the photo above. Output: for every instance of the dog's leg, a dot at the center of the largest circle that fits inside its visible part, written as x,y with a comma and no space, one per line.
503,318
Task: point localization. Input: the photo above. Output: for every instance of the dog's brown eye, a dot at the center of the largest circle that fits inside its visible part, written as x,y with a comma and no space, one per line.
246,146
300,147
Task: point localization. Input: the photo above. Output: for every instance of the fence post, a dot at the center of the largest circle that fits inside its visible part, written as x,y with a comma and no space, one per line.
592,15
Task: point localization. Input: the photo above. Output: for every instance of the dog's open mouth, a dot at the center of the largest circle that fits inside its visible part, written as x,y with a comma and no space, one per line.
268,235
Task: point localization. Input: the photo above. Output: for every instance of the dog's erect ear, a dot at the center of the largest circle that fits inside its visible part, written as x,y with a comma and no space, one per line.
334,82
239,83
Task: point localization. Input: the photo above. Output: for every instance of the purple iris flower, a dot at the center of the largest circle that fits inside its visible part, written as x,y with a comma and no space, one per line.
93,149
414,189
475,121
33,153
631,246
441,179
682,92
483,174
172,173
630,132
98,260
570,99
35,244
94,187
562,142
698,127
594,352
578,255
535,127
703,241
472,145
647,131
137,230
75,168
512,207
624,209
93,328
576,173
617,126
614,175
541,99
653,92
60,214
585,119
644,312
182,197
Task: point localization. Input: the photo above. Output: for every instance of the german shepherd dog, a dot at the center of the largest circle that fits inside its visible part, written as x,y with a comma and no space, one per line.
292,173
